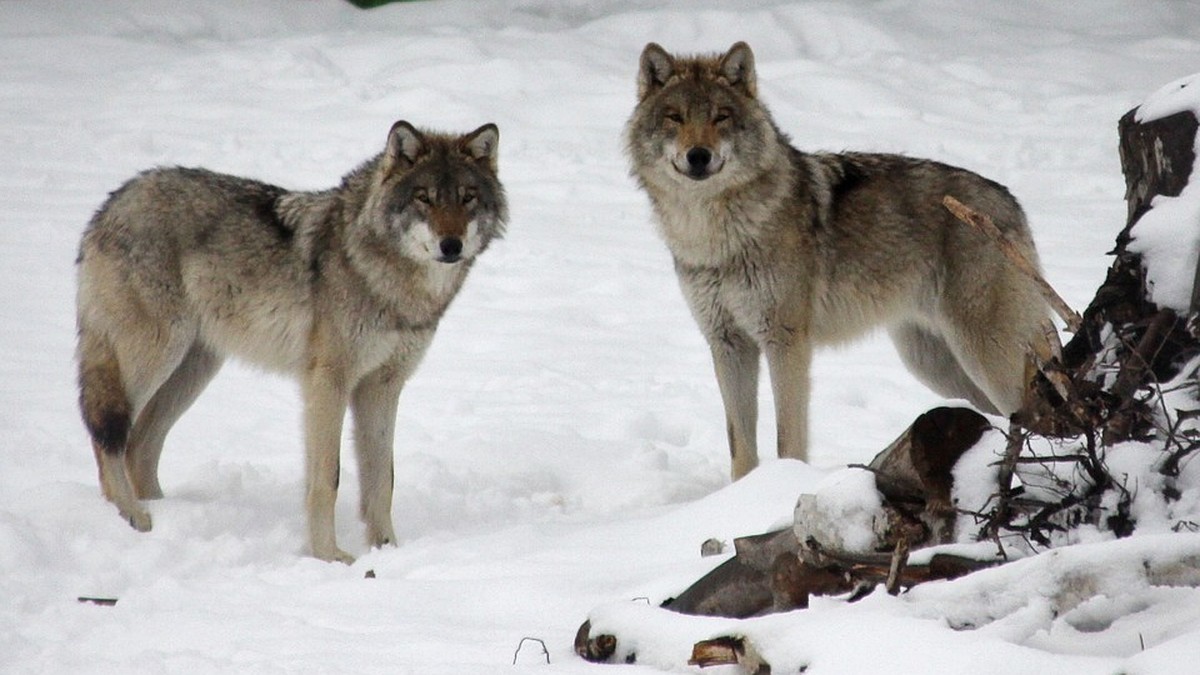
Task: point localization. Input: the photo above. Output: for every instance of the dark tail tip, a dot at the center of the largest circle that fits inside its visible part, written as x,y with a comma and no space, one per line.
105,407
109,430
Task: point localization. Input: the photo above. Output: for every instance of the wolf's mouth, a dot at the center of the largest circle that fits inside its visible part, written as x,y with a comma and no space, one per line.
699,174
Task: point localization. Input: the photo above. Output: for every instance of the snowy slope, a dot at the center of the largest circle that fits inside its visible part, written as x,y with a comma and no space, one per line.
562,445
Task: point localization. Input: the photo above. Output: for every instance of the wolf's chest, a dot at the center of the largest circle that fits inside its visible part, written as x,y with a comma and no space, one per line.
755,297
696,236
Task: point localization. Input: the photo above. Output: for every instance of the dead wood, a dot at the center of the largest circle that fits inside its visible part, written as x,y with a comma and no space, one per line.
598,649
1138,363
916,469
728,651
1157,157
776,571
521,644
874,569
734,589
896,569
103,602
719,652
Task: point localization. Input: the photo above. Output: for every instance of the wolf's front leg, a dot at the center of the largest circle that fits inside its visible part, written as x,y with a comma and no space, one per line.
373,405
788,362
735,358
324,408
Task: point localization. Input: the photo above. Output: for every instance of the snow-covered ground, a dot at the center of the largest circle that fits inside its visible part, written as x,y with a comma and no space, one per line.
562,447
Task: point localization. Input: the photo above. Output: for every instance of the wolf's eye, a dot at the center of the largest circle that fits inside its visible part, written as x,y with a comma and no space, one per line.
422,196
468,197
723,115
673,116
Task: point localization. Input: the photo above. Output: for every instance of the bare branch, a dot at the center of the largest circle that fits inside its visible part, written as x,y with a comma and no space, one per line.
984,223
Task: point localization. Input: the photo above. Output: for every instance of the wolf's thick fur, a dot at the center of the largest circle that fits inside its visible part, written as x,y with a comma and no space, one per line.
779,250
181,268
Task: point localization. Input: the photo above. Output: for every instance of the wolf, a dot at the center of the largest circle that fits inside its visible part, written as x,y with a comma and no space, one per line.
778,251
181,268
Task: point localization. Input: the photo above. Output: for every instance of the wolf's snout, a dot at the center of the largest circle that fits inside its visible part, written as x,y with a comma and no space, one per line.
451,248
698,163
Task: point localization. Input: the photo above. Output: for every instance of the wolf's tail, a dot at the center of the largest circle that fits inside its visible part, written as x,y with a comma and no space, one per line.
102,398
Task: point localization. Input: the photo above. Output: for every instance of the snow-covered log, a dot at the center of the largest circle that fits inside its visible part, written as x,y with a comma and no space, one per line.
1078,588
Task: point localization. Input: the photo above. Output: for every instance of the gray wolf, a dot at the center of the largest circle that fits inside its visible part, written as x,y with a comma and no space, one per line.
778,250
182,268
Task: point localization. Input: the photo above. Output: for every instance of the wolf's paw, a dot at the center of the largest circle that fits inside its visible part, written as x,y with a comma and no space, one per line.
335,555
138,519
382,539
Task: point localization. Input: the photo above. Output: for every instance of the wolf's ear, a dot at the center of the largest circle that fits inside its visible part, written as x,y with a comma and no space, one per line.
737,69
405,145
655,68
483,145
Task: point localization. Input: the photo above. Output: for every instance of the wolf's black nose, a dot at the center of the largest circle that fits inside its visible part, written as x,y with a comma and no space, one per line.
698,158
451,248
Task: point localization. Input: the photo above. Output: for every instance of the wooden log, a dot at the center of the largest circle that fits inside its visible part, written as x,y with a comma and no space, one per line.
734,589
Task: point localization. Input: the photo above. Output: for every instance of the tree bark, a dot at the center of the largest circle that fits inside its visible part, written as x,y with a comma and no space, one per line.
1156,158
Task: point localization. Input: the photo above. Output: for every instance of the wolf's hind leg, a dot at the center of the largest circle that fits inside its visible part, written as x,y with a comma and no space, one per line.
931,359
165,407
995,356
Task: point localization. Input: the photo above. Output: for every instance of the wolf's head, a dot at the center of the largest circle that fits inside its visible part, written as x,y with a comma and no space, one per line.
440,194
698,119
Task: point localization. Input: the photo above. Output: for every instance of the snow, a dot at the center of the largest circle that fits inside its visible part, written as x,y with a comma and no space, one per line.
843,512
1182,95
1168,252
561,450
1077,609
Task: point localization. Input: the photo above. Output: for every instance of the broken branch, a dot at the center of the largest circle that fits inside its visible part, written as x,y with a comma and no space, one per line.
984,224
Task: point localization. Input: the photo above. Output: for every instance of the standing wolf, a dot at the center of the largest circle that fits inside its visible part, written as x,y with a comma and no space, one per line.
181,268
778,250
